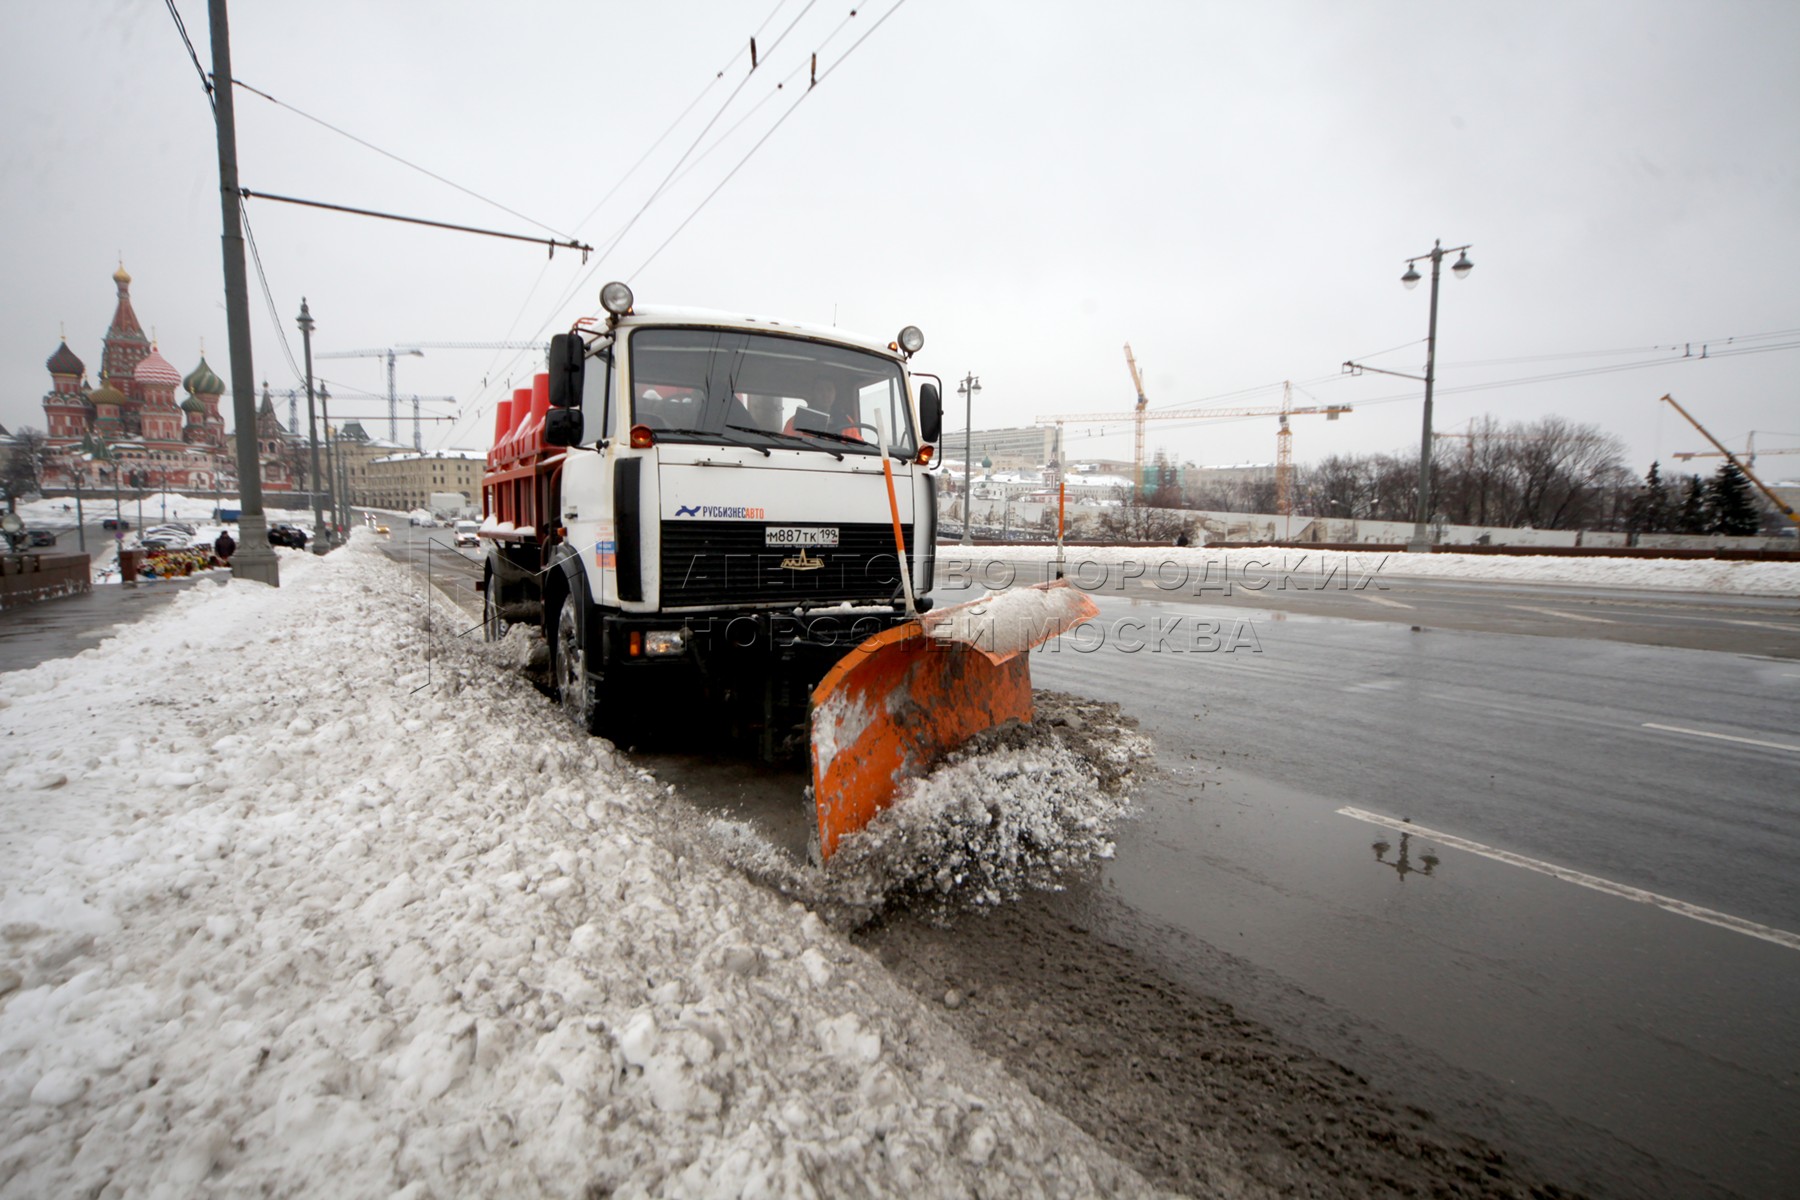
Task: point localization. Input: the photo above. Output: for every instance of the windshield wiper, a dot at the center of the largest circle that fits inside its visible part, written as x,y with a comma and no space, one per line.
787,437
841,437
720,433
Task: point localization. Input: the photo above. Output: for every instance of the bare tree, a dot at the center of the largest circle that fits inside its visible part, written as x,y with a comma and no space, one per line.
22,465
1135,519
1550,474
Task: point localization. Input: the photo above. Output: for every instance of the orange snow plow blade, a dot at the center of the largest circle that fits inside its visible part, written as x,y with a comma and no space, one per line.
907,696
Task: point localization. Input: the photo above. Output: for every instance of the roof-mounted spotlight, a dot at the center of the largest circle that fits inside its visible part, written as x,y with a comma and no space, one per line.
616,298
910,340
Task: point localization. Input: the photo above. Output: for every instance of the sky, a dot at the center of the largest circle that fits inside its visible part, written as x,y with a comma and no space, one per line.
1233,190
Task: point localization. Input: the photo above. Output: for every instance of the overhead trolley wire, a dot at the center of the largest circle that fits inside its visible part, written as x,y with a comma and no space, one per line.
181,28
818,78
364,142
692,104
608,244
816,81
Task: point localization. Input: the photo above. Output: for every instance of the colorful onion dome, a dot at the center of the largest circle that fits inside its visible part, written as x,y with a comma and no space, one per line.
201,381
156,371
64,362
106,393
192,404
121,275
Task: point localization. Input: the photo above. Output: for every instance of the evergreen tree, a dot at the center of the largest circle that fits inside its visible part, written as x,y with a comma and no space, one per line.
1653,509
1728,506
1693,508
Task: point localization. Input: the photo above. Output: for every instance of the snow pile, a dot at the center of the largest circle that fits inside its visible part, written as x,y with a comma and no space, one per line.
1186,570
1019,807
319,915
1013,621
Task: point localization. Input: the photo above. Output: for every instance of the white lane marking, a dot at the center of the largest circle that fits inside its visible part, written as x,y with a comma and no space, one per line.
1762,624
1780,937
1567,616
1385,600
1723,737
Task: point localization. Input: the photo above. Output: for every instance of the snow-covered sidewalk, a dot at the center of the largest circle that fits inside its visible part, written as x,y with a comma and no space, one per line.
296,918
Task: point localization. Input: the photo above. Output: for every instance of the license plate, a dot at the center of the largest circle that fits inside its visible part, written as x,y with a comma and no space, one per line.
800,535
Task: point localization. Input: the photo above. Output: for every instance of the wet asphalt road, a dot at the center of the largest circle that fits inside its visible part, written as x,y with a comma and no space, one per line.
1624,1048
1620,1047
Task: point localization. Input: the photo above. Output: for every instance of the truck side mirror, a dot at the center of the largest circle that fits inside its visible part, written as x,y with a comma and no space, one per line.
563,426
568,357
931,413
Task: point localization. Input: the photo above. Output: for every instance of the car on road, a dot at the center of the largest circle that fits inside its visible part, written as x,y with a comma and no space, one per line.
168,537
283,534
468,534
115,523
39,537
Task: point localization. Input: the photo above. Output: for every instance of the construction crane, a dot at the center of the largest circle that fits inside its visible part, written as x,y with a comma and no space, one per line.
417,350
1143,404
1780,505
1284,454
1750,451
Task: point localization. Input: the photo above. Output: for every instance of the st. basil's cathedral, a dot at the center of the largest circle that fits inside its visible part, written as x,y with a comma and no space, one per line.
133,419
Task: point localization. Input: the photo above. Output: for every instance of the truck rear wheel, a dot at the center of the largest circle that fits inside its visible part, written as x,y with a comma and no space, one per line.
576,687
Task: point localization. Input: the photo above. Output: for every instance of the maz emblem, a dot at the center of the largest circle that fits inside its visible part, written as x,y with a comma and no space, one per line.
803,563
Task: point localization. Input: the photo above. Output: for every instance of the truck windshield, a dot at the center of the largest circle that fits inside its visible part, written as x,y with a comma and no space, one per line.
730,387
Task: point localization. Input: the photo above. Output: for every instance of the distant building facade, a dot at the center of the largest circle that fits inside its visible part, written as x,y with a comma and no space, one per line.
407,481
1031,446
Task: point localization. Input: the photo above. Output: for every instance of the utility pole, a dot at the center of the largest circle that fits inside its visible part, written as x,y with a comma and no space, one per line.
320,539
254,558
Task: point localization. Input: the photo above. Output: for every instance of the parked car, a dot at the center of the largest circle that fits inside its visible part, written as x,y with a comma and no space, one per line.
115,523
283,534
39,537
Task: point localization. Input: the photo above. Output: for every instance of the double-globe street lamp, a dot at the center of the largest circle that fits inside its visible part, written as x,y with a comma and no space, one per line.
1421,538
968,389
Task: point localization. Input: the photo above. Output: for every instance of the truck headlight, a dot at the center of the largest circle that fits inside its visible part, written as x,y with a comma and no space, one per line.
663,643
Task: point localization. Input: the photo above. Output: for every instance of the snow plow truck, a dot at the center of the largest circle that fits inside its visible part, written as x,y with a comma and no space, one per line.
725,525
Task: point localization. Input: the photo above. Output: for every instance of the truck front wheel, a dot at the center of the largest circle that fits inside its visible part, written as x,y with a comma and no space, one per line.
575,686
493,625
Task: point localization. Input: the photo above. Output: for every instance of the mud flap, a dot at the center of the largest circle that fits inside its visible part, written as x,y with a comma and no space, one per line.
904,698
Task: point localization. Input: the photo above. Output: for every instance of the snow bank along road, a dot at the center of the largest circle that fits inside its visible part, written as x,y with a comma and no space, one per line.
253,946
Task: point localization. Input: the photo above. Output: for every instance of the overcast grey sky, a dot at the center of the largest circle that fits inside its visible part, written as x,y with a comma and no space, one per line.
1233,189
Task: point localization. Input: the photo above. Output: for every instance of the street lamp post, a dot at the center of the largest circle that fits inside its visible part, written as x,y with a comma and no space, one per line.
312,431
1421,539
333,494
969,387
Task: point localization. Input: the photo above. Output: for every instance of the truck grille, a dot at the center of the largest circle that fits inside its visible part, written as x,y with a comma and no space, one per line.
725,563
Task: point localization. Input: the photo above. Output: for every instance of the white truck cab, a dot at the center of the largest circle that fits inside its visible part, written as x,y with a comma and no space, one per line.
721,482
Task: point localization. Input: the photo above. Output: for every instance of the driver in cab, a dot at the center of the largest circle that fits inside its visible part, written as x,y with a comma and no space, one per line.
823,412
